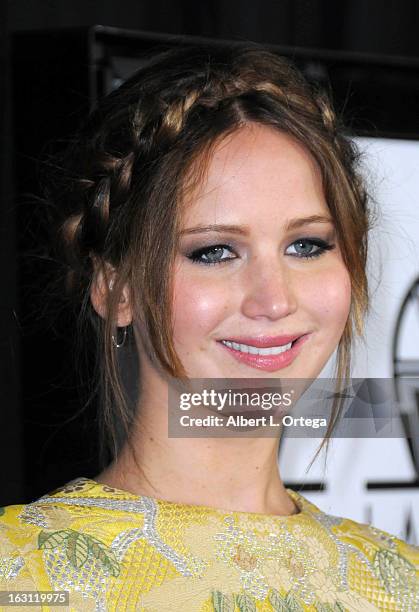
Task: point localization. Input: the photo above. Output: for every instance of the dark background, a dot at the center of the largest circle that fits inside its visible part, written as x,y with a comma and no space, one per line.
373,26
38,452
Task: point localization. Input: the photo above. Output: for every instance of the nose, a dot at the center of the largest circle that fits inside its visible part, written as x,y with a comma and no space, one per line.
268,291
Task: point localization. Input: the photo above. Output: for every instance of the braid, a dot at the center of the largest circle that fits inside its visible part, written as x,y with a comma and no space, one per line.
175,115
154,120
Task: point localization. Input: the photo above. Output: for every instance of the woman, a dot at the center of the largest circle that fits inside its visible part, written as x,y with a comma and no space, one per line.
215,217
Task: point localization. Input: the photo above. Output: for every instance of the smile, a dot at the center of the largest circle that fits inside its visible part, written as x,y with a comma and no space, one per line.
270,354
253,350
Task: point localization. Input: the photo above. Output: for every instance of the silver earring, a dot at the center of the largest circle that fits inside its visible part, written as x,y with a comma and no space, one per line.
115,340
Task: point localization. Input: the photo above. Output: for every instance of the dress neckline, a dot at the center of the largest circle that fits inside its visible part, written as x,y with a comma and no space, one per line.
84,487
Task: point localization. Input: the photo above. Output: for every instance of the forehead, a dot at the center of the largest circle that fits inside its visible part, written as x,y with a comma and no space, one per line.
256,173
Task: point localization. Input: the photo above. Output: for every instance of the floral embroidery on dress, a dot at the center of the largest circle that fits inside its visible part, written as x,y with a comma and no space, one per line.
78,547
10,567
396,573
278,603
113,550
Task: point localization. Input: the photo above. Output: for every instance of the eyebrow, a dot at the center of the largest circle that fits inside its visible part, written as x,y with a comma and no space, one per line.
291,224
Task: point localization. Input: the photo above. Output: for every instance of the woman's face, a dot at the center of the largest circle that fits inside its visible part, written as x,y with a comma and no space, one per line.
258,266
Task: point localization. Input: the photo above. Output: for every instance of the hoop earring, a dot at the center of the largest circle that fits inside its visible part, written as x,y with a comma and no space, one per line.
115,340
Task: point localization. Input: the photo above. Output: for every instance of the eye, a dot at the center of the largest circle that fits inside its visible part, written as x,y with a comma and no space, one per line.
210,255
310,247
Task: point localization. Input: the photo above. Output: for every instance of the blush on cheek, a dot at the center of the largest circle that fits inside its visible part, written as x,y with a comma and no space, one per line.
331,296
338,298
198,308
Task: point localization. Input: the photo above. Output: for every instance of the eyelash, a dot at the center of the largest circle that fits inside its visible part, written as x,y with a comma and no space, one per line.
322,245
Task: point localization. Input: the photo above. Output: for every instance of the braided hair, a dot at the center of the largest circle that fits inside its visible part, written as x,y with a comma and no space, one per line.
143,147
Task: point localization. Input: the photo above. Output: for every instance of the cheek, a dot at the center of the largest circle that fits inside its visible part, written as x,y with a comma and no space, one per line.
199,305
331,297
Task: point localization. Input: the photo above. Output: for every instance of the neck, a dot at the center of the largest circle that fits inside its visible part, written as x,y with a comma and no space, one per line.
228,473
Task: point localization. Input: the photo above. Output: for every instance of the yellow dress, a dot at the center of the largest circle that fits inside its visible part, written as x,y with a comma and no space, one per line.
113,550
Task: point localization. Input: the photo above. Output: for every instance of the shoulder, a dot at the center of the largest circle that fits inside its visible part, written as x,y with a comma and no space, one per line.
61,536
393,559
381,561
372,563
18,545
23,531
371,541
363,537
380,566
73,508
22,522
10,543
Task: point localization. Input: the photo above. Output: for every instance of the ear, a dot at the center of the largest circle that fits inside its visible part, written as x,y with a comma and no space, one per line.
102,285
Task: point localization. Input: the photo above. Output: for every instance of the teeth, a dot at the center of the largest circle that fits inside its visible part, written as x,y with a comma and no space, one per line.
253,350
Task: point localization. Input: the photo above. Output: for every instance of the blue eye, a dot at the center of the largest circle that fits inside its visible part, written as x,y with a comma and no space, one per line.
304,247
212,254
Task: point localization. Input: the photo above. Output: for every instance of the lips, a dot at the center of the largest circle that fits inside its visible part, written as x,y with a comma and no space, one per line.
268,363
266,341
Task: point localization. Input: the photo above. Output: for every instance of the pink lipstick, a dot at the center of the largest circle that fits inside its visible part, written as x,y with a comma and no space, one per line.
269,353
